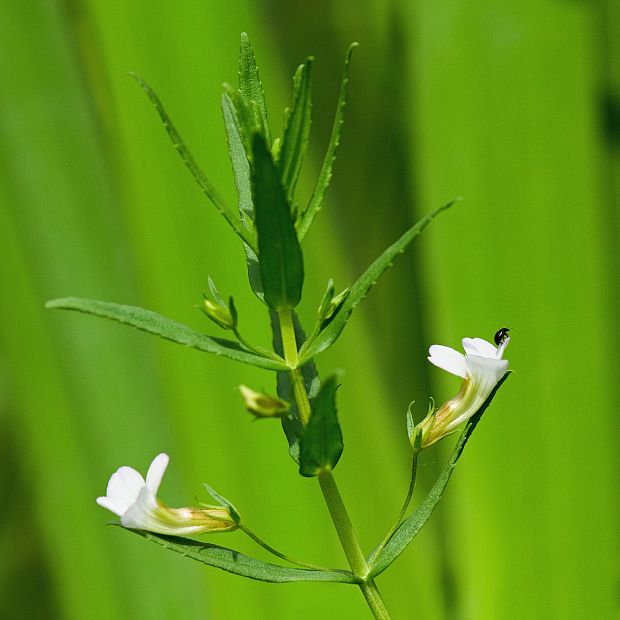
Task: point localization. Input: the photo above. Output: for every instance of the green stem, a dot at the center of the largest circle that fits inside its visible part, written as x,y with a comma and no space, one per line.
278,554
331,494
289,344
342,522
403,510
375,602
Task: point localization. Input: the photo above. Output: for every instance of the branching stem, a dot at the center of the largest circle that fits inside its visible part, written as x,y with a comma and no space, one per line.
331,494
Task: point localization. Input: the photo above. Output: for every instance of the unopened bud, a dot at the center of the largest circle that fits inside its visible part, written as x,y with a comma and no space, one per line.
262,405
329,304
216,309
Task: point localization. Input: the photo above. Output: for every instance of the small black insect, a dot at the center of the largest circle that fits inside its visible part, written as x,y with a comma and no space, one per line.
501,335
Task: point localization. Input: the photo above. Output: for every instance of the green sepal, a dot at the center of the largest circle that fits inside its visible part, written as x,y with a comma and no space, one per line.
234,513
240,564
316,201
199,176
280,257
251,88
296,130
359,290
326,301
153,323
410,527
410,421
321,445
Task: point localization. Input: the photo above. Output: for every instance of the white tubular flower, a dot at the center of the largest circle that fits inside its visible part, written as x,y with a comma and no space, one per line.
135,501
481,368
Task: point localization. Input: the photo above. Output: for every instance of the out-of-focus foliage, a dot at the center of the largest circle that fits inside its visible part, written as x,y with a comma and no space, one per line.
514,106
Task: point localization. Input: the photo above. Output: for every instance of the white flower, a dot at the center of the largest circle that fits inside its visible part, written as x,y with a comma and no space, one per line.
481,368
135,501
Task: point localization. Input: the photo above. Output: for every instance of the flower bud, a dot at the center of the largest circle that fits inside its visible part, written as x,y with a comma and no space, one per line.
216,309
262,405
218,314
329,304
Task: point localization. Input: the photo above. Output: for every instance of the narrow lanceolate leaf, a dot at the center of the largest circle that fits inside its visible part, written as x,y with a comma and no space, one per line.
240,127
412,525
321,444
360,289
250,86
325,175
239,159
292,425
279,253
200,177
153,323
296,129
241,564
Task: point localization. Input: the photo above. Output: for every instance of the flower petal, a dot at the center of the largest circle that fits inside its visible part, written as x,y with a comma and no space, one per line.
485,372
447,359
479,346
113,505
156,472
123,489
141,514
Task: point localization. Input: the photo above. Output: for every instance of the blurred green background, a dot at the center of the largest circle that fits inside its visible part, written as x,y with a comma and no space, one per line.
513,105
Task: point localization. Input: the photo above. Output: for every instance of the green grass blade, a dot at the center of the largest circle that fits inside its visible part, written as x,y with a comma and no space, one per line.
321,445
240,564
250,86
280,257
325,175
410,527
153,323
199,176
296,129
360,289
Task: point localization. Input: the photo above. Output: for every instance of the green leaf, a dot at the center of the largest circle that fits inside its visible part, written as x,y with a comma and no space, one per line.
238,159
241,564
199,176
250,86
279,253
325,175
412,525
254,275
240,126
292,426
154,323
296,129
359,290
320,446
